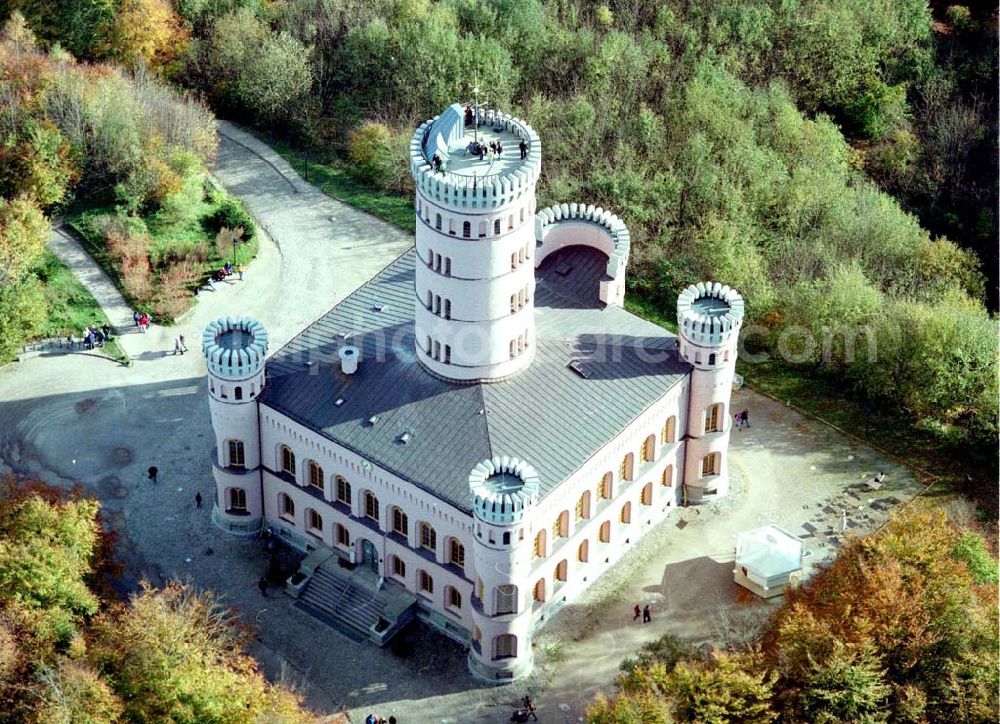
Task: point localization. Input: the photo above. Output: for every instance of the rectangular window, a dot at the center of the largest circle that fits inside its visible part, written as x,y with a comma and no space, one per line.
316,476
506,599
237,458
237,500
709,464
428,538
447,266
399,522
343,491
712,419
456,553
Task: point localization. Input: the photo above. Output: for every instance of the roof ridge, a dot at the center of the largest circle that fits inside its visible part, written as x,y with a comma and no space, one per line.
486,417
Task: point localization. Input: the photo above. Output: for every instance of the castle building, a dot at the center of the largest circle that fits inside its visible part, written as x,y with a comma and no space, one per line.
478,432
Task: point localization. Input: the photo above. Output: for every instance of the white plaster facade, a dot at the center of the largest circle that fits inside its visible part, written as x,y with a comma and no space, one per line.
488,578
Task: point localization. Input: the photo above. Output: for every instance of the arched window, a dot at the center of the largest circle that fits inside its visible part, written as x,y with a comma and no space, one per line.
451,226
539,592
505,646
425,584
466,229
398,567
604,535
314,522
343,538
583,552
562,570
710,464
452,598
238,392
714,418
604,490
315,475
428,537
456,553
647,494
237,455
506,599
400,523
510,221
343,491
560,529
583,506
625,469
668,430
496,227
286,507
539,551
287,460
711,360
626,514
668,476
437,221
222,392
649,449
482,229
371,506
430,299
522,214
237,500
506,538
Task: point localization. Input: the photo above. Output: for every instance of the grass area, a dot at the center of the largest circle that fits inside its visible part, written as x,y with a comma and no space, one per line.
642,308
179,233
331,177
69,306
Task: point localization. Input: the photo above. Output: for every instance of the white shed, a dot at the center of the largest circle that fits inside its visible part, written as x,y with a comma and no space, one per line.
767,558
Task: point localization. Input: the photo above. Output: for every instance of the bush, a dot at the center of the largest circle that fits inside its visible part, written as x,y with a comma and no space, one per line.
232,215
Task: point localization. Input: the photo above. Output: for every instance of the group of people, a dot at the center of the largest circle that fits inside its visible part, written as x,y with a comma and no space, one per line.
142,320
490,151
93,336
647,616
526,711
742,419
375,719
227,270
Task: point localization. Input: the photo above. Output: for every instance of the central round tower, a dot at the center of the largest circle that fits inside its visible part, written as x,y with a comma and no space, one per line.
475,242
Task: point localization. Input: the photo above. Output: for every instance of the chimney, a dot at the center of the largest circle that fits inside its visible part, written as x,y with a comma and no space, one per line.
349,358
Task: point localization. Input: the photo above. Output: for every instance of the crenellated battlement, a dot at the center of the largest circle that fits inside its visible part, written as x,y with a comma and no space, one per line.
709,314
235,348
472,187
503,489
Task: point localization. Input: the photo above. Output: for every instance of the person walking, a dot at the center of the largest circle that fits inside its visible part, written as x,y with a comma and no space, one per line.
177,345
184,347
239,270
152,473
738,419
524,149
646,615
746,418
636,612
135,317
197,500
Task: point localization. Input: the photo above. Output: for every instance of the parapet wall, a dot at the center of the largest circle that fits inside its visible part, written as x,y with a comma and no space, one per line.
501,505
476,192
709,330
584,224
235,363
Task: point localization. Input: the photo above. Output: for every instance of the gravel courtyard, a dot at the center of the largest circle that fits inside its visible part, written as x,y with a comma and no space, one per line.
79,417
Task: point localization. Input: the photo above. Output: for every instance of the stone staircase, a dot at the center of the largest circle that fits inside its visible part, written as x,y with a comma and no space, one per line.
354,605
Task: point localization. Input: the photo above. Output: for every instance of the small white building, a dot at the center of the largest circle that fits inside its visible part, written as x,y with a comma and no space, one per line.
767,559
482,426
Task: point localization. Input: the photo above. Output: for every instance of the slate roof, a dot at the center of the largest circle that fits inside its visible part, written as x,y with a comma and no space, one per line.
553,416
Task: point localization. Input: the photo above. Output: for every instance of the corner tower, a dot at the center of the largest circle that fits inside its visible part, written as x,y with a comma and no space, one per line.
504,490
235,350
709,317
475,243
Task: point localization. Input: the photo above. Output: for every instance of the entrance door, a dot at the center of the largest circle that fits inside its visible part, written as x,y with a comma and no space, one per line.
369,556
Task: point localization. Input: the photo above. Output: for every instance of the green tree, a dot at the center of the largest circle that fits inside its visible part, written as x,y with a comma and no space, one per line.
729,689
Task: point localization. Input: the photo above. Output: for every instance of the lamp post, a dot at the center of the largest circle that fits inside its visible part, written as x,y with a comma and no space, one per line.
235,242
